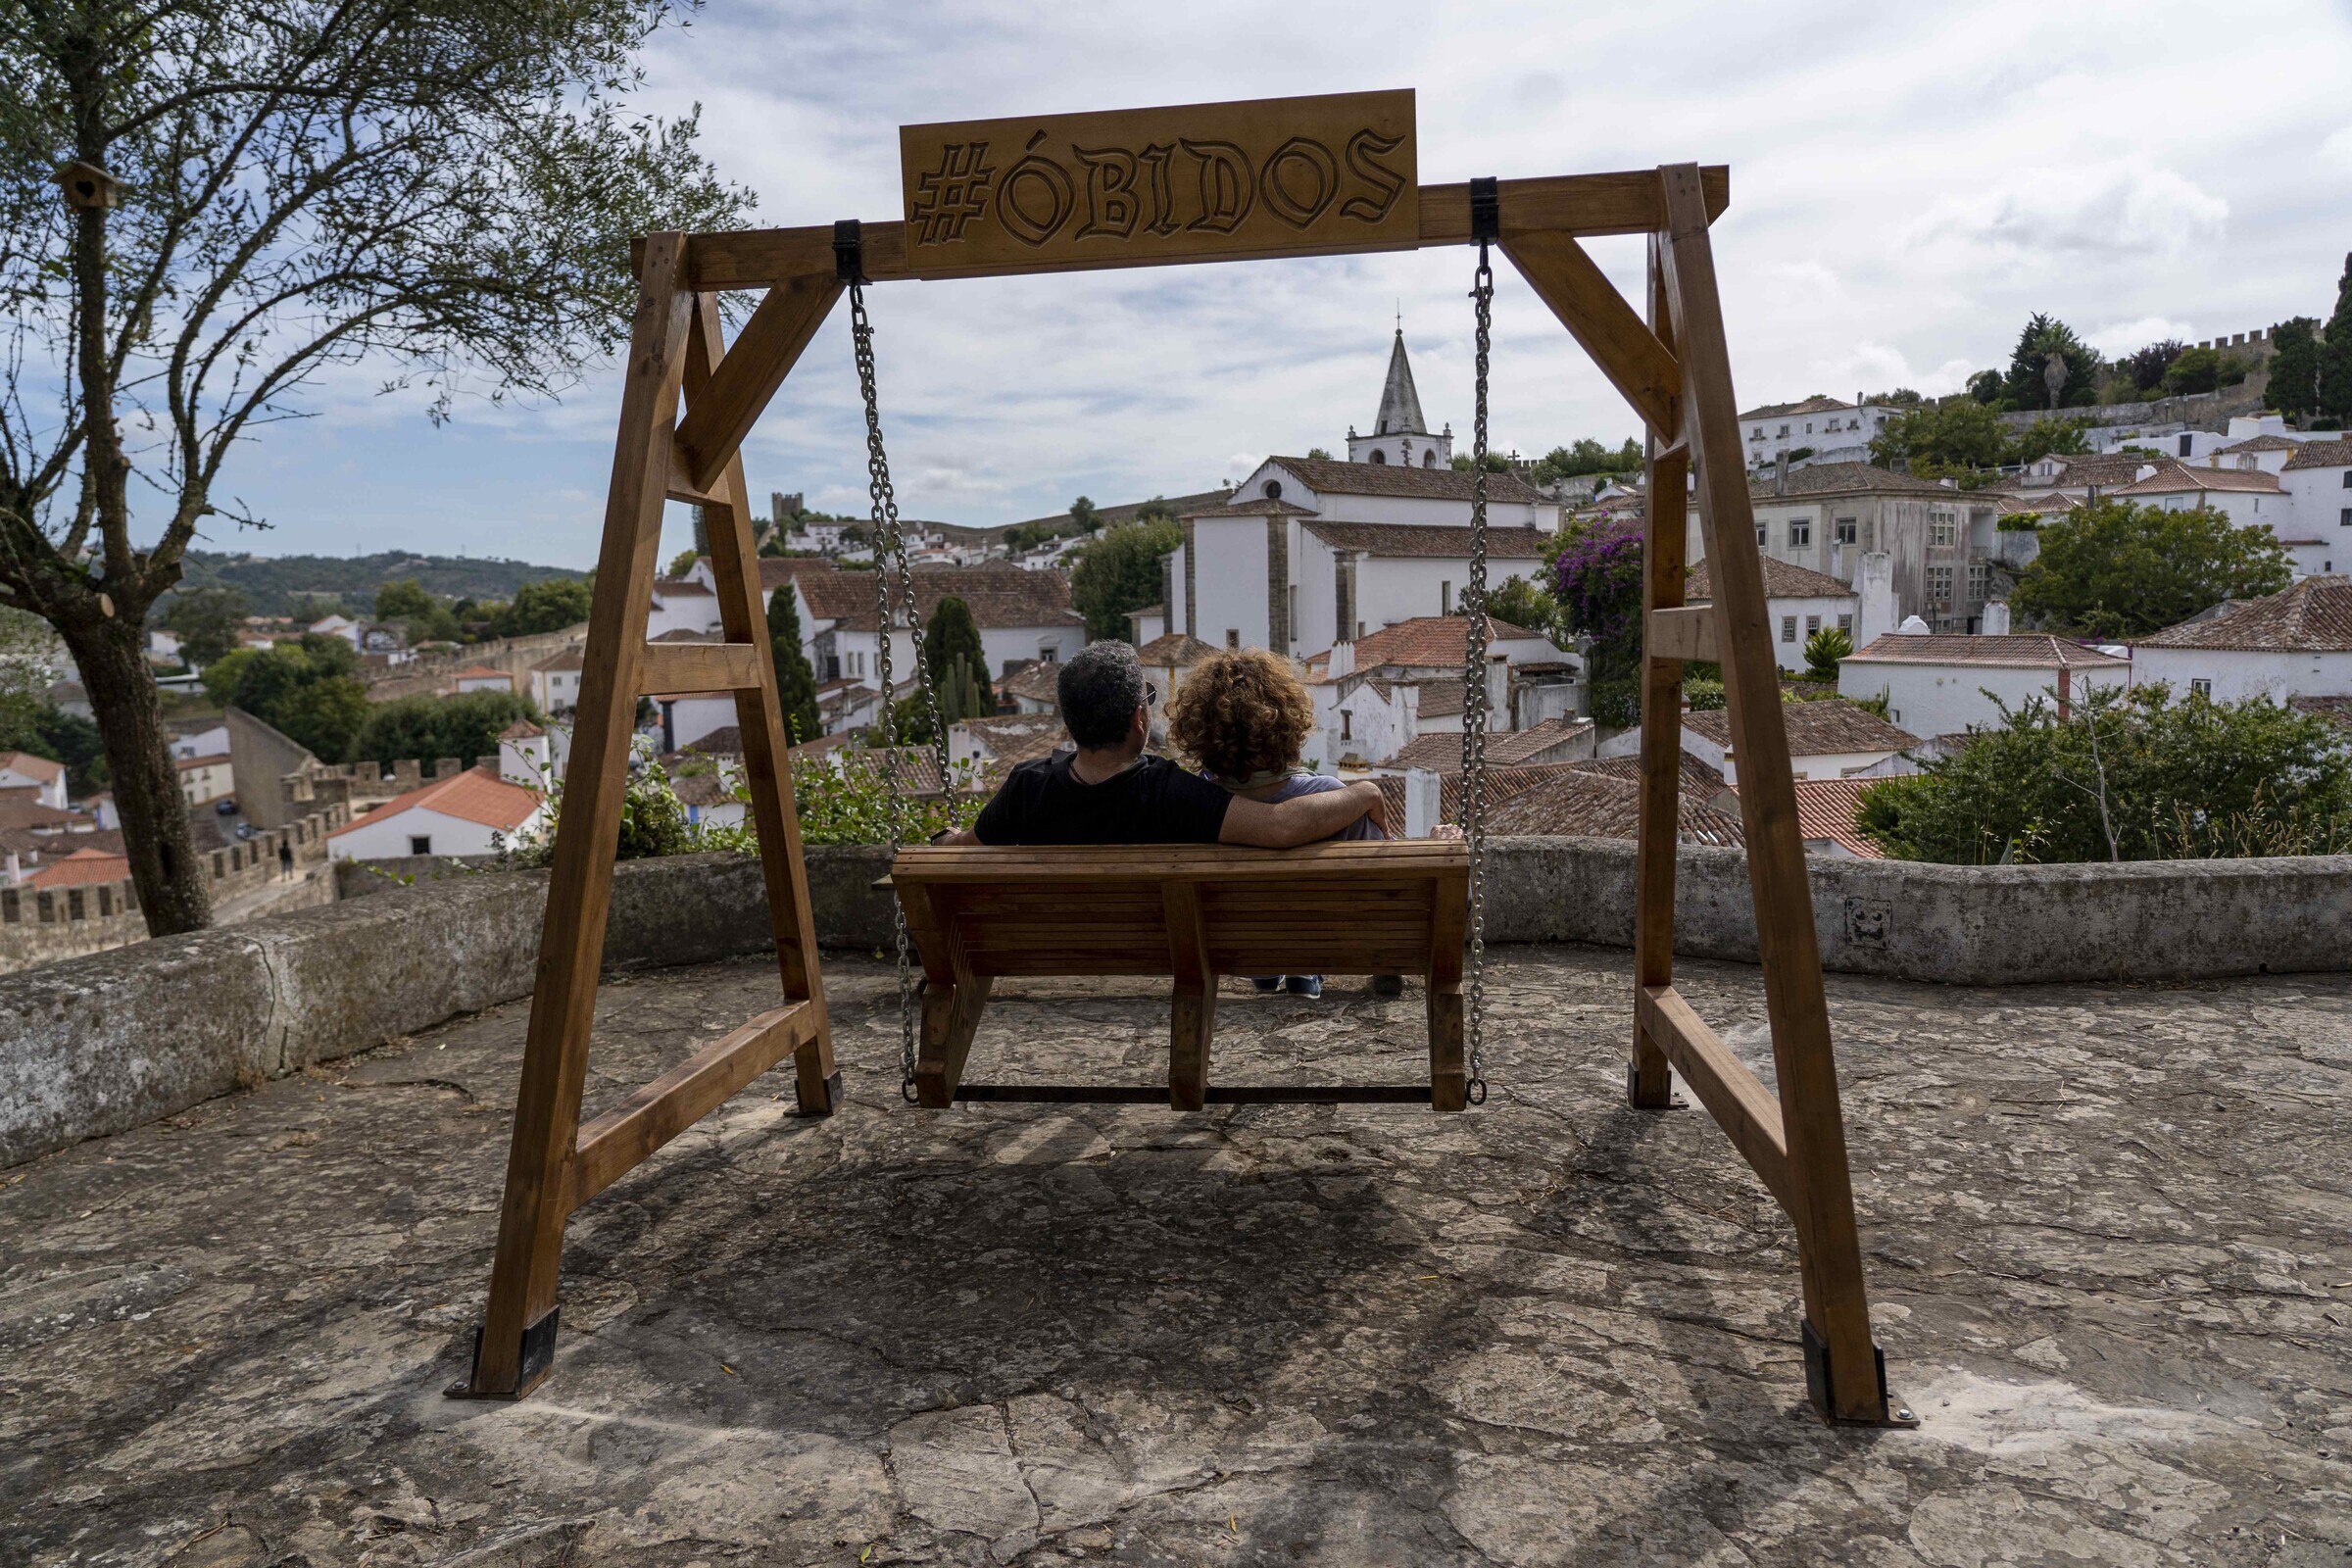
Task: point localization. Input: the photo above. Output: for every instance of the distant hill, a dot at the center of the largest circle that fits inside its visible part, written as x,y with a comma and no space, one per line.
274,585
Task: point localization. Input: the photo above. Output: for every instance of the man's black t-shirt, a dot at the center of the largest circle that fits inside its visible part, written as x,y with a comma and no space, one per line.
1153,802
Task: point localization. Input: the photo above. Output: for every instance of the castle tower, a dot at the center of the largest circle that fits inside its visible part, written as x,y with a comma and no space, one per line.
1399,432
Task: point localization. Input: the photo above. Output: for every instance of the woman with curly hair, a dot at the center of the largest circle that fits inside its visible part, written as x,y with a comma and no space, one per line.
1243,718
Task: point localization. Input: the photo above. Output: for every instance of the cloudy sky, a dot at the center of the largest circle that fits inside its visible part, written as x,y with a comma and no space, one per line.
1907,183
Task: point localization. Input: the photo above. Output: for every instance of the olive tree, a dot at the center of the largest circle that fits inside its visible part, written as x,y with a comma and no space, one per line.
208,204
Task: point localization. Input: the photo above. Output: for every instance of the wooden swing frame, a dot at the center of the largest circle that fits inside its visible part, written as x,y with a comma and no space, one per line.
1673,367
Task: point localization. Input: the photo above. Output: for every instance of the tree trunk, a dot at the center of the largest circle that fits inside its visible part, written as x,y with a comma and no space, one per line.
174,883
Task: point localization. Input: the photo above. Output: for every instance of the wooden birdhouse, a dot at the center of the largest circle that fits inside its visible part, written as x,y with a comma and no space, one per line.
86,185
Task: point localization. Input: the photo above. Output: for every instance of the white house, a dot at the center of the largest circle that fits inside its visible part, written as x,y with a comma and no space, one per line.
530,755
480,678
456,815
682,604
2318,479
342,626
205,779
556,683
683,717
2295,643
1021,615
1166,662
1005,740
1826,517
2249,497
46,780
1830,739
1377,694
1310,551
1828,430
208,741
1936,685
1797,602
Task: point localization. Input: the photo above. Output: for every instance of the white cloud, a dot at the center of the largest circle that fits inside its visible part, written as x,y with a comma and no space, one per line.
2124,336
2122,210
2337,149
1876,368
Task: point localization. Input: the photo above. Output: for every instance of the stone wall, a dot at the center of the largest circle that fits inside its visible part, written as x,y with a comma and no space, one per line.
99,1043
42,925
425,674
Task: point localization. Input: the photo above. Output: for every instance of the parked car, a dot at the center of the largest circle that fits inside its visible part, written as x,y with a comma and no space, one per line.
245,830
226,807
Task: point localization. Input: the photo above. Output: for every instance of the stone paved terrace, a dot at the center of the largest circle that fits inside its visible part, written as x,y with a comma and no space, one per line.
2109,1230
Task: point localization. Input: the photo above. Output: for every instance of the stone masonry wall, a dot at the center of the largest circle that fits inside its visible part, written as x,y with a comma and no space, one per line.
40,926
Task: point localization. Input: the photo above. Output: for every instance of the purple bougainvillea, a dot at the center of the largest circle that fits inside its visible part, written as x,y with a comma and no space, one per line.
1598,581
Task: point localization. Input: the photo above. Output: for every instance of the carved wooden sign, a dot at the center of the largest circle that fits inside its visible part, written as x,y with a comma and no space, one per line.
1134,188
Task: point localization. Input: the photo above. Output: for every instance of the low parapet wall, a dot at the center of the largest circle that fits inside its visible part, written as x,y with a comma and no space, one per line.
100,1044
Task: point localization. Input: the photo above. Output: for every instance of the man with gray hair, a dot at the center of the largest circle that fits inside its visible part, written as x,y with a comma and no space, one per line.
1111,791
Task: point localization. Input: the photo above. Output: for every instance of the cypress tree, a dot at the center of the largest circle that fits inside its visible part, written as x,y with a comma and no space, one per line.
953,631
796,681
2335,355
2295,367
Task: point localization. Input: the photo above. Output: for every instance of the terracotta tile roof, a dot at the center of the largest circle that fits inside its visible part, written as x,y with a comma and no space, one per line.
703,789
1699,777
1439,699
1825,809
1126,511
2047,502
32,766
1430,540
680,588
2313,616
1424,642
1175,648
1782,579
1586,804
564,661
2336,711
2173,481
1502,783
28,812
184,763
778,571
1845,479
687,634
2322,455
2260,443
522,729
1012,737
2106,469
477,795
1442,752
1260,507
480,672
726,741
1037,680
1828,729
81,868
1328,477
1773,411
2024,649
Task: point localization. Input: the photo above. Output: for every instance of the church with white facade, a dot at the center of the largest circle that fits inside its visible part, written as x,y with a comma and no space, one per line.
1312,552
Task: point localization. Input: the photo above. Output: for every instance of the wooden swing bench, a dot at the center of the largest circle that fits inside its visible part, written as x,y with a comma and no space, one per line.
1191,912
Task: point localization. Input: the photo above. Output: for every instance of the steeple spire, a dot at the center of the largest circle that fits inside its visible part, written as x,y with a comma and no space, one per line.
1399,400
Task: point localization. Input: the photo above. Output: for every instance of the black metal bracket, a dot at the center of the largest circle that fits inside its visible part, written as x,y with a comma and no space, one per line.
1486,211
1893,1412
537,1354
849,252
832,1102
1633,1093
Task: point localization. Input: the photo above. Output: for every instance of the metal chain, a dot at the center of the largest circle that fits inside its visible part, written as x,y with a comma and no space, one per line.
890,553
1474,689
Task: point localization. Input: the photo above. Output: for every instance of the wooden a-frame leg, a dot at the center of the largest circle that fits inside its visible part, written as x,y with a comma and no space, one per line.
1845,1370
1649,1080
758,714
1193,1010
517,1340
950,1018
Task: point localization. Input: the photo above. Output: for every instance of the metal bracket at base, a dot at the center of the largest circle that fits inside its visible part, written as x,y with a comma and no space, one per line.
531,1363
832,1098
1893,1412
1633,1093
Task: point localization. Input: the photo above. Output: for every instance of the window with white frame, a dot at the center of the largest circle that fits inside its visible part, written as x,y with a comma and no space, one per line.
1980,577
1763,532
1944,527
1940,584
1847,530
1846,624
1801,533
2200,688
1787,629
1812,626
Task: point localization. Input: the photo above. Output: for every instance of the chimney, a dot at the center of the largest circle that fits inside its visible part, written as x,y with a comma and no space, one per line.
1873,582
1342,660
1424,802
1996,620
1779,474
